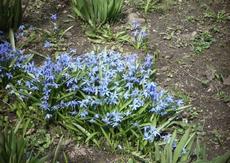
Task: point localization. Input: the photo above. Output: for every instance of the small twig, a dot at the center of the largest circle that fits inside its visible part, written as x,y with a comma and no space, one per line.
5,103
34,52
195,78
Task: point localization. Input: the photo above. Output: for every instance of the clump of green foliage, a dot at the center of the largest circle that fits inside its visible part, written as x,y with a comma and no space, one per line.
97,12
202,41
14,148
10,17
154,5
11,14
219,17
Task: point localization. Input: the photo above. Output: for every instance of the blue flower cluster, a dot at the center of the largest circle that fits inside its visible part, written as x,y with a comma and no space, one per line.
139,34
150,133
10,61
107,88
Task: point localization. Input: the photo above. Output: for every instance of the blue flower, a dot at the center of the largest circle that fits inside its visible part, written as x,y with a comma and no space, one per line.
135,34
184,151
135,25
113,119
63,61
72,50
48,116
148,63
179,103
92,120
174,145
106,120
5,48
53,17
73,113
166,138
129,85
45,105
136,124
137,103
113,98
31,86
150,133
91,81
47,44
21,27
84,113
9,75
96,116
128,113
143,34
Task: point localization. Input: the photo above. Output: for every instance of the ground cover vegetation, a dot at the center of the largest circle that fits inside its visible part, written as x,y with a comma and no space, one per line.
106,99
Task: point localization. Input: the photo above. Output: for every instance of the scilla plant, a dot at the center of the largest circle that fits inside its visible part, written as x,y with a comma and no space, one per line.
97,12
11,63
107,99
139,36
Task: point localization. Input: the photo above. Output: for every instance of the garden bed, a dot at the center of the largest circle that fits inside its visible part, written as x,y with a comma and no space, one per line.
189,51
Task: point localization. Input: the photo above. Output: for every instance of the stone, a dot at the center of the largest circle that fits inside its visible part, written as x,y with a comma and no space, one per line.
168,56
194,33
68,34
135,17
164,68
210,73
227,81
228,104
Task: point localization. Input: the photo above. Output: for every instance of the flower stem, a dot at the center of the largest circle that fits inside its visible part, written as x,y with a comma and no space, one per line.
11,36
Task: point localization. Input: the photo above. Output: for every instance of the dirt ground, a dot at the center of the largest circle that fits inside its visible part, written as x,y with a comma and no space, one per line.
200,77
180,69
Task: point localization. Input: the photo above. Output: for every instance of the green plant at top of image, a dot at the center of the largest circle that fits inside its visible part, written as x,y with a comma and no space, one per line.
154,5
97,12
202,41
10,17
10,14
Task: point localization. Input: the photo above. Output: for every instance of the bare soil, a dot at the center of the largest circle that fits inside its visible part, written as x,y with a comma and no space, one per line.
179,68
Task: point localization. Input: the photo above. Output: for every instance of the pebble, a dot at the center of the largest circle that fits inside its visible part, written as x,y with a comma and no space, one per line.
168,56
68,35
165,68
228,104
227,81
135,17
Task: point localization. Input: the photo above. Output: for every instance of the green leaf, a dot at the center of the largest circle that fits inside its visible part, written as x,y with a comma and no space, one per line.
91,136
180,146
57,150
83,130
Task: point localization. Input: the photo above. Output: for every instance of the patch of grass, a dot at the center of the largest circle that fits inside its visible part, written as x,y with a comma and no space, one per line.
219,17
191,19
14,146
223,96
202,42
107,34
154,5
215,29
181,95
